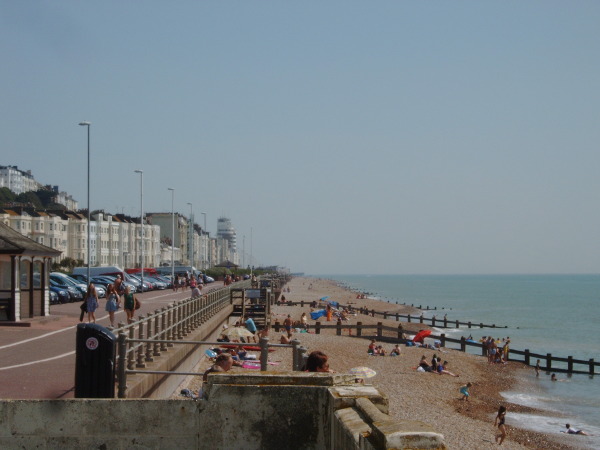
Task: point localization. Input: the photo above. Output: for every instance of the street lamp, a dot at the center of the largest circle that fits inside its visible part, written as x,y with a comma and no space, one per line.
87,124
172,235
204,244
141,172
191,236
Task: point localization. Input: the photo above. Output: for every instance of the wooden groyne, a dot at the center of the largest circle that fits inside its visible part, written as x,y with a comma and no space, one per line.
386,333
410,318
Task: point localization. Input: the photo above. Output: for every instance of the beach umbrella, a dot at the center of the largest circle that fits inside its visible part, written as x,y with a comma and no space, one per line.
237,332
421,335
363,372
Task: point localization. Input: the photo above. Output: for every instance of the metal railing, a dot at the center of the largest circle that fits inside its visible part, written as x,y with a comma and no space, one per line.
153,334
124,367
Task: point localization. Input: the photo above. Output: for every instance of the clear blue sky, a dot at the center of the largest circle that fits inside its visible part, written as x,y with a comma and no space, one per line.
351,137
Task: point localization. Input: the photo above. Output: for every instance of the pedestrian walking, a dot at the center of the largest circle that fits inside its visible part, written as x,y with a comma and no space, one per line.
91,303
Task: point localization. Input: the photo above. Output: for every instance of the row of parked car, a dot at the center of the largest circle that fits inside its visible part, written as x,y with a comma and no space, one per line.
65,288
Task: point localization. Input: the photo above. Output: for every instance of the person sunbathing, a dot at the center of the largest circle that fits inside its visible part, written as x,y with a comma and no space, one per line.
425,365
572,430
372,348
441,370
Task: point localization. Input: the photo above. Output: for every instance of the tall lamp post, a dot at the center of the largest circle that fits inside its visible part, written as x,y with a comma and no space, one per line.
204,244
172,235
88,124
141,172
191,235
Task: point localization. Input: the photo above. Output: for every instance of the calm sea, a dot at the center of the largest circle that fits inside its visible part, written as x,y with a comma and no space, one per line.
557,314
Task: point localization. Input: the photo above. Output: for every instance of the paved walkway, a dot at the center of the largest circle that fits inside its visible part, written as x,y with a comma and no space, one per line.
38,362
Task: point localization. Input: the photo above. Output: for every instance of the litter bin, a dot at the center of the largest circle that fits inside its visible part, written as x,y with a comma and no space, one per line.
95,362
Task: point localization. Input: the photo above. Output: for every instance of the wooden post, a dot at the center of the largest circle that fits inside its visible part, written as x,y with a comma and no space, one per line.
548,362
264,352
277,325
445,322
480,325
397,317
385,315
295,355
443,339
463,344
408,317
400,331
156,351
421,318
318,327
379,330
591,366
149,345
122,376
527,357
359,329
469,324
140,352
433,321
457,324
570,364
338,330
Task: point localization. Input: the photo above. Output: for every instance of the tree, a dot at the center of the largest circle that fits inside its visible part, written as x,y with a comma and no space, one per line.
29,197
6,195
68,263
46,196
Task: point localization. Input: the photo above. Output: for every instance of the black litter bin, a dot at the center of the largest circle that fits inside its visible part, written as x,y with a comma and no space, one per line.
95,362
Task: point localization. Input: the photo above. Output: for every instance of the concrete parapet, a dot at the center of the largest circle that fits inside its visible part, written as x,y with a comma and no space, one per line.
265,410
98,423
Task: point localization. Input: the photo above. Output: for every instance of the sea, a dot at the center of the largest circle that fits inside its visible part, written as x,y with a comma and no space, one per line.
557,314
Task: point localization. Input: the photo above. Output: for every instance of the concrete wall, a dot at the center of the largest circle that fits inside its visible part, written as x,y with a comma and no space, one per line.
241,411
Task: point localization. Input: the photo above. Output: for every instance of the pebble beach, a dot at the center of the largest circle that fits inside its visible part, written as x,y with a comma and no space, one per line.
431,398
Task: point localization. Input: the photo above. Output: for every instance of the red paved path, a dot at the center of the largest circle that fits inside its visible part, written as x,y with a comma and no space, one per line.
55,378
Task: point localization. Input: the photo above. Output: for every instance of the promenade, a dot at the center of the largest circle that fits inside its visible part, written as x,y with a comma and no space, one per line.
38,361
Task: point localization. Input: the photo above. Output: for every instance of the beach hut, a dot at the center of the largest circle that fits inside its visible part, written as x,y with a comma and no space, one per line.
24,269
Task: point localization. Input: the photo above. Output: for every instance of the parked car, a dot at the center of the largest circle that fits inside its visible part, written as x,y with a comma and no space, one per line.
147,285
80,284
74,294
53,297
105,280
158,284
208,279
82,279
63,294
166,280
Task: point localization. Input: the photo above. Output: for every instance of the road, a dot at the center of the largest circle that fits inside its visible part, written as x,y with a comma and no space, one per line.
38,362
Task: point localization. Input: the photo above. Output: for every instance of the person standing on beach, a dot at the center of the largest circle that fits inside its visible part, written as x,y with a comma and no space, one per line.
537,368
499,422
251,327
287,324
464,390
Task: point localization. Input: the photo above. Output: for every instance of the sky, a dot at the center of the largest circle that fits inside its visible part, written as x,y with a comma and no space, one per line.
340,137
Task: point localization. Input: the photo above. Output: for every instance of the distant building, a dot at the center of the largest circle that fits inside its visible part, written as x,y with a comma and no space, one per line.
62,198
226,232
18,181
